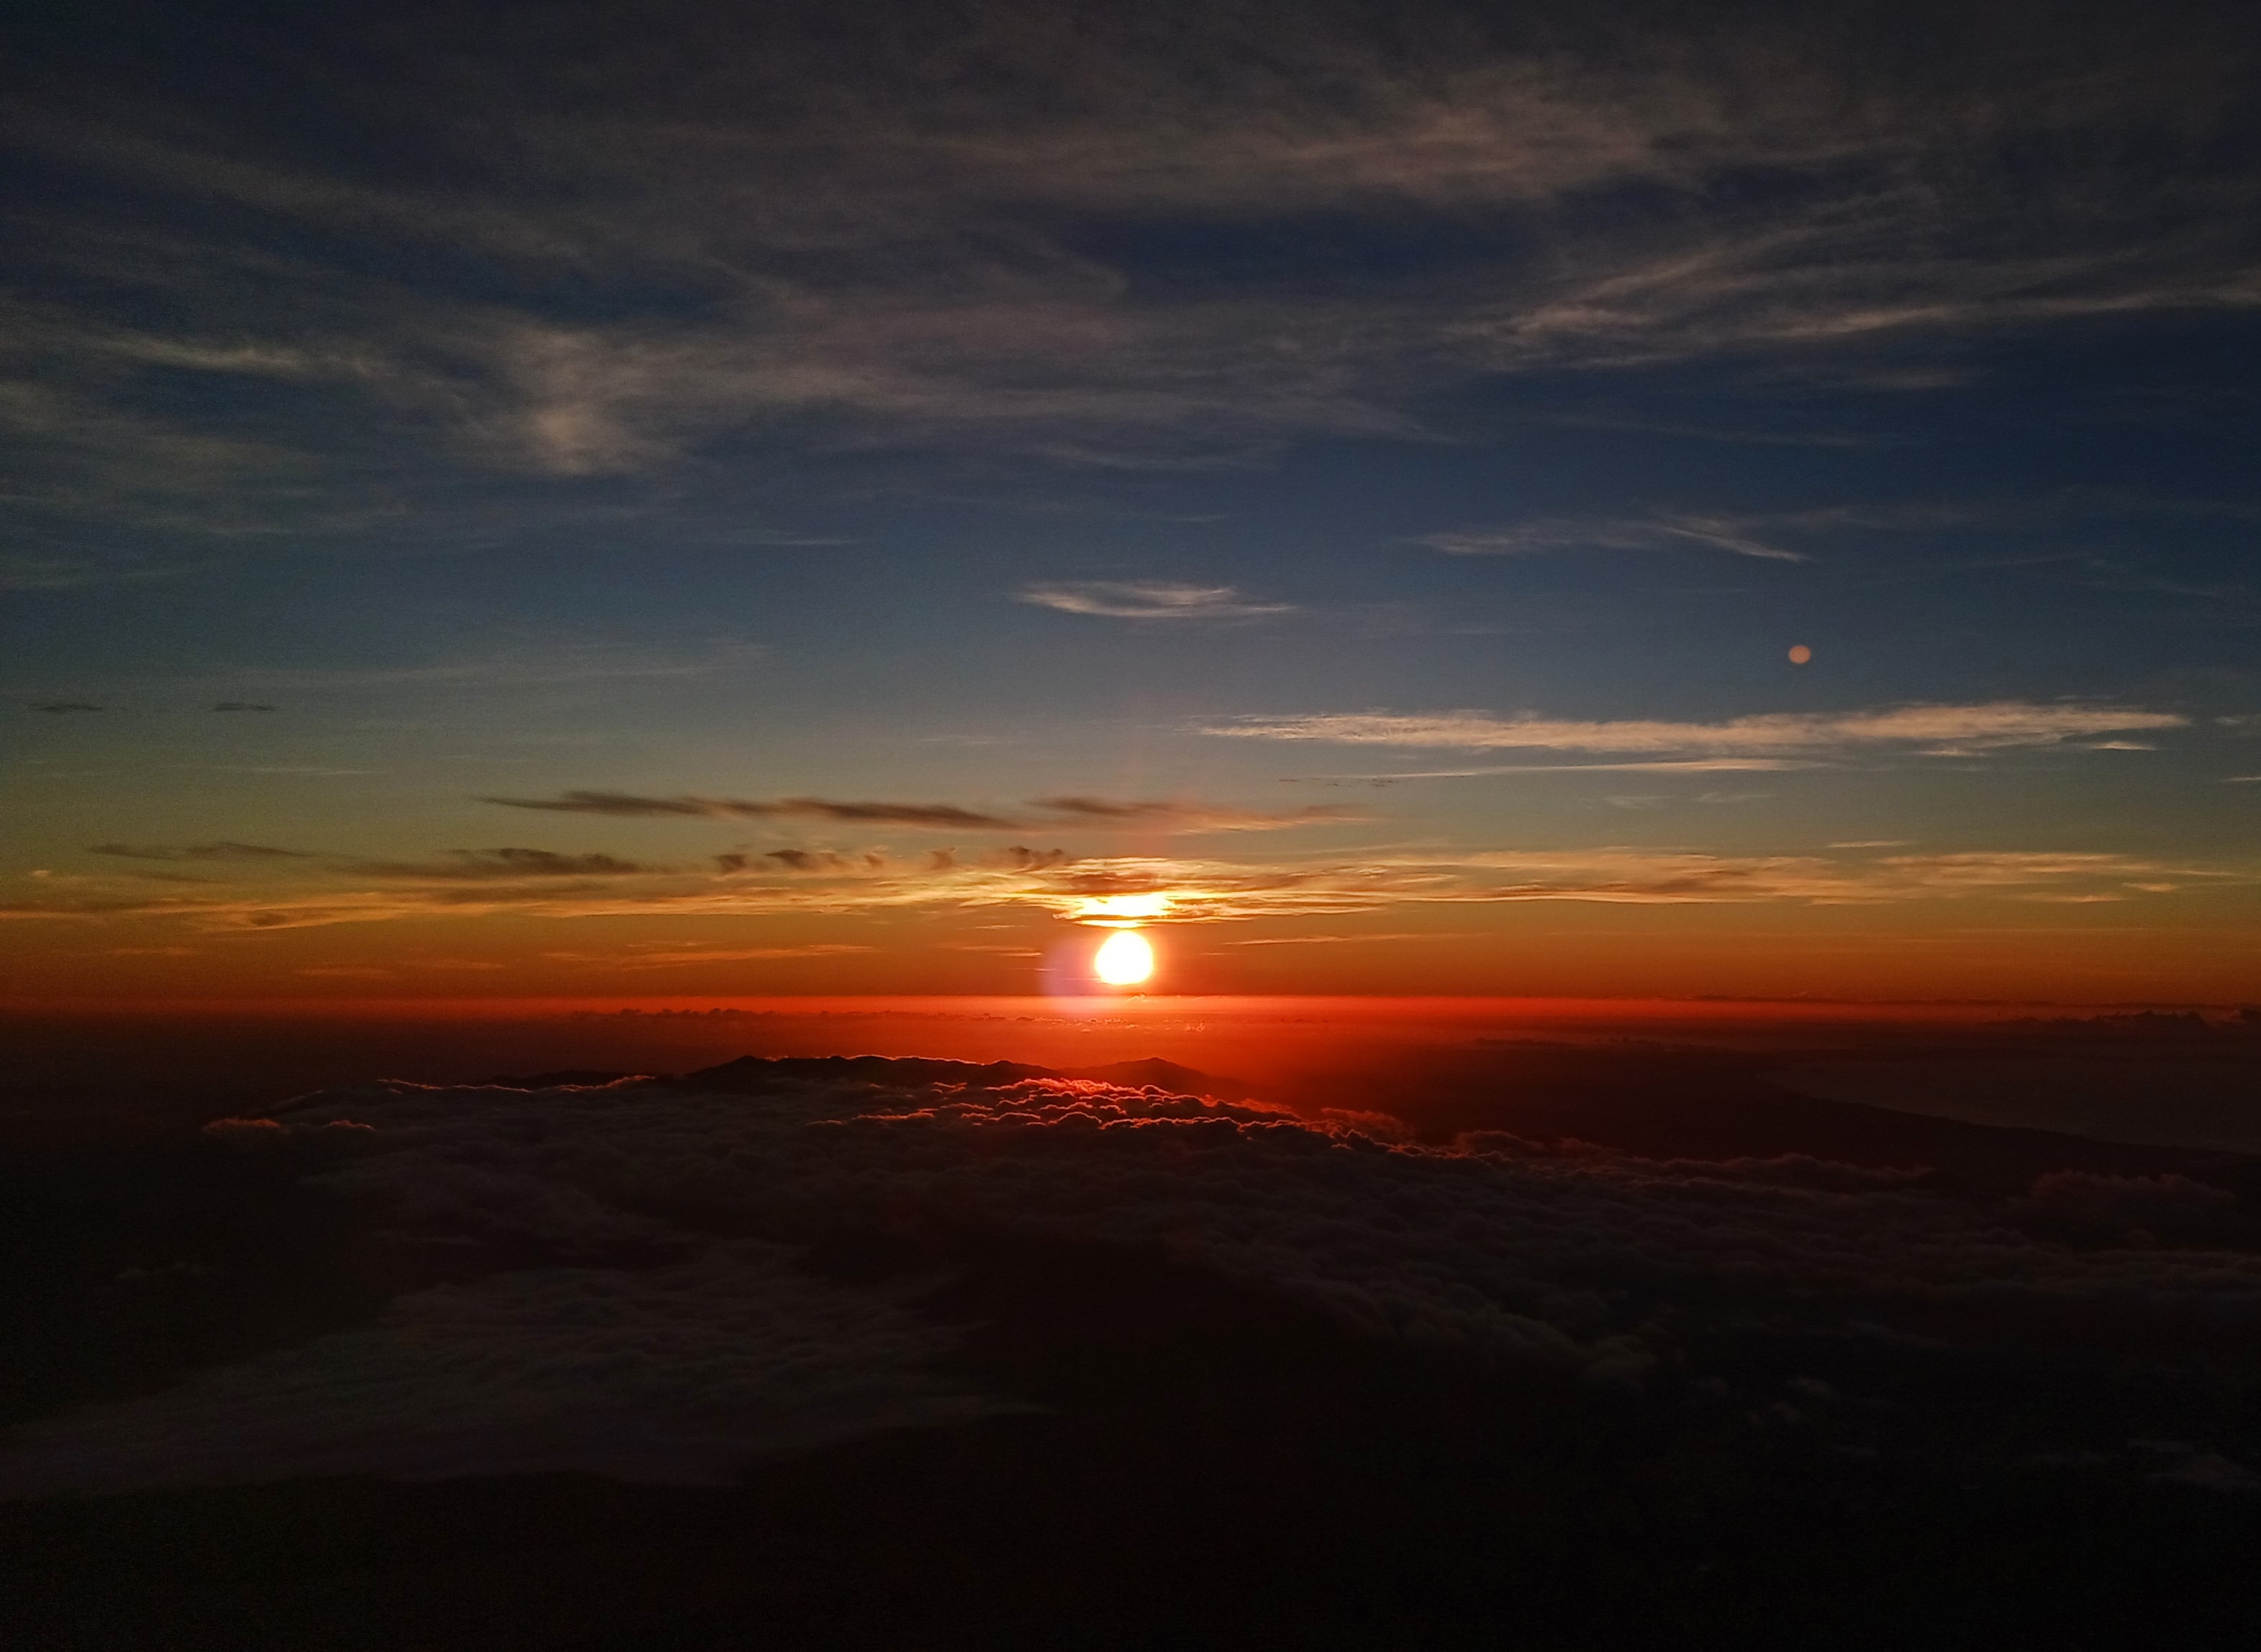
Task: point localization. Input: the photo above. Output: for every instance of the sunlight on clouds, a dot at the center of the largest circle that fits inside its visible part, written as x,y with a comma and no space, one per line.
1122,907
1148,601
1999,724
1125,892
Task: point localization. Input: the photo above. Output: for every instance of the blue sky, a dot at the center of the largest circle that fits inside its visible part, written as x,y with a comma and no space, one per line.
1374,462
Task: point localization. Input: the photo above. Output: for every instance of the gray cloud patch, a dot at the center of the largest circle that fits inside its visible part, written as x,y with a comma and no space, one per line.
220,850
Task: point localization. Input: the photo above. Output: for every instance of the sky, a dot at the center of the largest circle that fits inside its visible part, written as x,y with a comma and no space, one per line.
570,501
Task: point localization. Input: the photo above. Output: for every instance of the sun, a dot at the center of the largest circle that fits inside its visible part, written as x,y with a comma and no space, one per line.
1124,958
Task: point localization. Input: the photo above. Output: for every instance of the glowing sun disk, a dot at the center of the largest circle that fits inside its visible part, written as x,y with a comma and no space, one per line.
1124,958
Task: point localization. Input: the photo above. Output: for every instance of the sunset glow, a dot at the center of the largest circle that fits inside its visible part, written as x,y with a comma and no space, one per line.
1364,530
1118,909
952,826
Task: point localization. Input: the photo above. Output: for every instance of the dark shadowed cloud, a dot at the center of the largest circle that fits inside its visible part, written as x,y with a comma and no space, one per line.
941,817
1069,812
484,864
221,850
811,860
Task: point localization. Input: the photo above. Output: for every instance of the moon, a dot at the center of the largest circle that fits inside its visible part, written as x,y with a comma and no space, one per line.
1124,958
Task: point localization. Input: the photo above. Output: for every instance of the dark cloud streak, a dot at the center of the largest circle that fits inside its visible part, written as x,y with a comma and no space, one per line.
940,816
482,865
1072,811
1190,818
220,850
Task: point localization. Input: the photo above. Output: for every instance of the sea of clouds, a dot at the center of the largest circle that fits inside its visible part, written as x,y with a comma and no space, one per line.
624,1281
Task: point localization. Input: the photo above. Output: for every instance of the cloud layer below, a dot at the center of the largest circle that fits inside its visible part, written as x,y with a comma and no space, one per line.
642,1308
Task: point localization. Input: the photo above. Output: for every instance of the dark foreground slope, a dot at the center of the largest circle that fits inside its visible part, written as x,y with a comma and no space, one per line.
1192,1456
1217,1472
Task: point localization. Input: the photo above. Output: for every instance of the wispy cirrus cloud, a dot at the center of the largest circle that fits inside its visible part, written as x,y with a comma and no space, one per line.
1645,875
1660,765
1055,814
1990,726
1148,599
1792,535
931,243
1650,532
